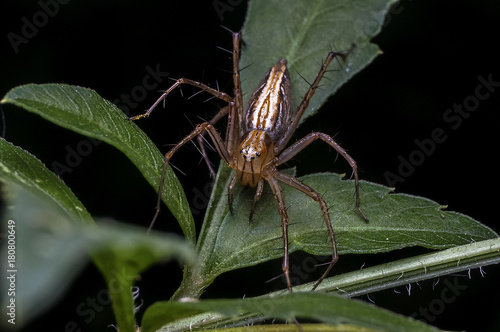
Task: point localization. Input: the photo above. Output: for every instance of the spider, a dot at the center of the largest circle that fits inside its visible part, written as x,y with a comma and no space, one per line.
256,141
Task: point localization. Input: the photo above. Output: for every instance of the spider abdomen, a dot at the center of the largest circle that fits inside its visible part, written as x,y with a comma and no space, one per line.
269,108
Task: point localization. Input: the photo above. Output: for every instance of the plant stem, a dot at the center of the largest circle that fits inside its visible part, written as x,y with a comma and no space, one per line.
389,275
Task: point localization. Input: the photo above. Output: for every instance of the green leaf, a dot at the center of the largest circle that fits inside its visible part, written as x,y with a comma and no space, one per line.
48,254
377,278
54,246
396,221
51,248
84,111
303,32
121,253
20,167
320,307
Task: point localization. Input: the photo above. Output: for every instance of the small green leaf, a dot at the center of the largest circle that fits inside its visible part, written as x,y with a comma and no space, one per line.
54,246
84,111
322,307
121,253
20,167
51,248
48,252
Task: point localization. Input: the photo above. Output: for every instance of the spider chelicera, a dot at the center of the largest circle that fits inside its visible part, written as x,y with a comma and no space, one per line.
256,140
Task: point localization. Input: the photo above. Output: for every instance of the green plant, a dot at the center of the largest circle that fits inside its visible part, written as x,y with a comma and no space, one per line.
396,220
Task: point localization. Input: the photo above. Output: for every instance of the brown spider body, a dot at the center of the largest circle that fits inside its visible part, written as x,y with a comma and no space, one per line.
266,120
256,151
269,108
256,141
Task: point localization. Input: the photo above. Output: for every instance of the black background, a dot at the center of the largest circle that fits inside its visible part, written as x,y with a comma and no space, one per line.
434,52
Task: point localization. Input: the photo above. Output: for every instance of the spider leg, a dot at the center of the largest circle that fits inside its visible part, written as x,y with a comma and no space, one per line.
297,184
230,195
280,200
201,139
308,139
305,101
238,95
258,194
219,145
235,122
221,95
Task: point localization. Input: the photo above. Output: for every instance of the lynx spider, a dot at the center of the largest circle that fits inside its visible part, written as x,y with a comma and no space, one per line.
256,141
